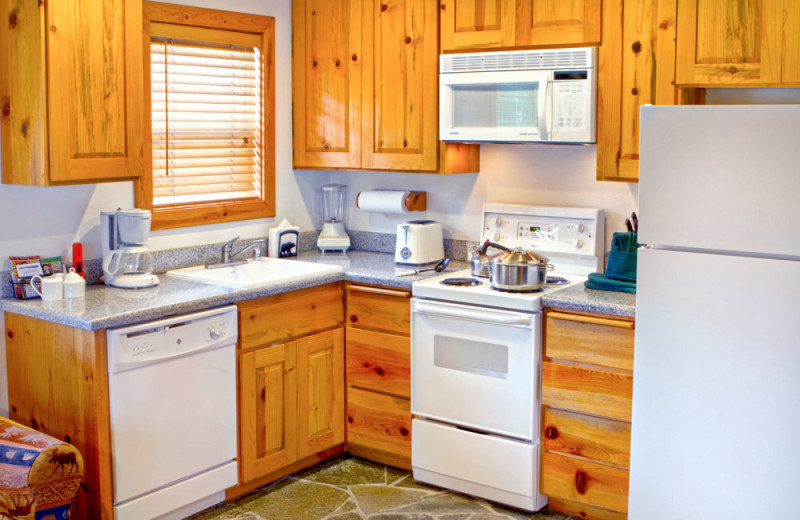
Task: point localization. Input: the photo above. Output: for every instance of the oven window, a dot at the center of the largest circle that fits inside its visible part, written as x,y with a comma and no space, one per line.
476,357
497,105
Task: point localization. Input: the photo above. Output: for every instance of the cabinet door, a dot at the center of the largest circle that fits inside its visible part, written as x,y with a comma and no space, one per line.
267,410
557,22
95,99
729,42
326,74
400,81
320,392
476,24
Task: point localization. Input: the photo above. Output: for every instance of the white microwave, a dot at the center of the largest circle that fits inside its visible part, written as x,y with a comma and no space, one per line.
519,96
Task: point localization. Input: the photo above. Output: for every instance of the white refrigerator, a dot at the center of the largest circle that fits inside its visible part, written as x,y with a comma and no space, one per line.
716,392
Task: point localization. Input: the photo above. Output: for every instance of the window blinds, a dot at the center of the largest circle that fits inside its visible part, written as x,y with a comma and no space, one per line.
206,122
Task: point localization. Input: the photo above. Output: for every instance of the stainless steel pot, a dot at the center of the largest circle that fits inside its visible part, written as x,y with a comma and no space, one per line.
519,270
480,260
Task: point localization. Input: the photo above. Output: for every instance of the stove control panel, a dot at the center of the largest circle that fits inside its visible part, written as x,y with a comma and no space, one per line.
567,232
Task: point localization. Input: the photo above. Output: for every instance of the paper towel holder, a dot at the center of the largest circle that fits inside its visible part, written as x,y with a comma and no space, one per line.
414,201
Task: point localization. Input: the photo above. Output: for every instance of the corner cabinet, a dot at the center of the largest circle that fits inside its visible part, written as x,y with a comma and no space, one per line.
291,382
587,387
365,88
471,25
738,43
71,90
378,360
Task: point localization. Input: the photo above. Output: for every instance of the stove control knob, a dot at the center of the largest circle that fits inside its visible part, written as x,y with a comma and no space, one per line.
580,228
578,243
496,237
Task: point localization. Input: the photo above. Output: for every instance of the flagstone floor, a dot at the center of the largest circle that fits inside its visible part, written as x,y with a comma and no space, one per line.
355,489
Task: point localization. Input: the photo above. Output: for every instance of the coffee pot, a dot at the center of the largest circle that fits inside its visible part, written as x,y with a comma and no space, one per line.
127,262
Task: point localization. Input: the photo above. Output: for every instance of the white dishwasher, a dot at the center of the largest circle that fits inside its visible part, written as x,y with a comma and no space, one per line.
172,400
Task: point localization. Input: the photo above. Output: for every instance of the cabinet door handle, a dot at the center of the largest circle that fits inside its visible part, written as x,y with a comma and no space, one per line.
376,290
621,324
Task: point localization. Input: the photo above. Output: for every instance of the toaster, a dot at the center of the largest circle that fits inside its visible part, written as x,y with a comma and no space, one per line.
419,242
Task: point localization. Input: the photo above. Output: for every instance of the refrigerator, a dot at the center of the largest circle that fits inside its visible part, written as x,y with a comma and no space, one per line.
716,384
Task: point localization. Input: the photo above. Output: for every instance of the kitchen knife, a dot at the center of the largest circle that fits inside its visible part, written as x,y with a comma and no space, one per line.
635,221
628,225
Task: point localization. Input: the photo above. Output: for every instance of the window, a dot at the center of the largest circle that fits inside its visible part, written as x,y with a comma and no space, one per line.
211,75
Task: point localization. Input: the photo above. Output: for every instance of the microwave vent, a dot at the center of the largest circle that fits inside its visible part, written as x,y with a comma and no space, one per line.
517,60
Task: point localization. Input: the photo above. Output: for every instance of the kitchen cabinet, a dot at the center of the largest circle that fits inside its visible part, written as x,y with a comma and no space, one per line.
472,25
58,384
738,42
365,78
636,66
71,90
587,384
291,381
378,374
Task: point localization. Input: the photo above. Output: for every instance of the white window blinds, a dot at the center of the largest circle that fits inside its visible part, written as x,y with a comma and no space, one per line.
206,121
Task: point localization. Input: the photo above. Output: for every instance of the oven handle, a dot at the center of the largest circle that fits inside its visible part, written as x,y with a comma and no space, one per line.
472,315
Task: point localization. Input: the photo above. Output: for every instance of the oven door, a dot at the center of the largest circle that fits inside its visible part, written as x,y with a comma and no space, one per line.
476,367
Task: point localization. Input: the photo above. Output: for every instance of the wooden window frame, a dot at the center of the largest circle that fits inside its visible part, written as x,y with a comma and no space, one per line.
226,211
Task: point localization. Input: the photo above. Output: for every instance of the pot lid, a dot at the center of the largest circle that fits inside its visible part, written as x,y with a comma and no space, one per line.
519,256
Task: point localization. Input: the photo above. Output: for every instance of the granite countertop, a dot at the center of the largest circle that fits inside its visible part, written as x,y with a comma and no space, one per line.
577,297
105,307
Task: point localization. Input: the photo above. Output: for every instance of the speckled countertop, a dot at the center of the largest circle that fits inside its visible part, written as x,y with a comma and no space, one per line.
105,307
578,298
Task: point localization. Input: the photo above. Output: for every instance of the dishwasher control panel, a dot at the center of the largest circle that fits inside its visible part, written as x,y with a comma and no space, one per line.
157,341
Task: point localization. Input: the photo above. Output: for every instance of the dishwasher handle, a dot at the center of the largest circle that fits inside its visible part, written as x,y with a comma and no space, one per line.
485,316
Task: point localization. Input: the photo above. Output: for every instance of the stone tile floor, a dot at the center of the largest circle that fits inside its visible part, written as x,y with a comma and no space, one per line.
355,489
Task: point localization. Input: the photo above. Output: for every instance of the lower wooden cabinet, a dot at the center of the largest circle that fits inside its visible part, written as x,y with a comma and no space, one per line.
291,392
587,384
378,374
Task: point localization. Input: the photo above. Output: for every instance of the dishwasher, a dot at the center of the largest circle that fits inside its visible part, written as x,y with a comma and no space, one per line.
172,403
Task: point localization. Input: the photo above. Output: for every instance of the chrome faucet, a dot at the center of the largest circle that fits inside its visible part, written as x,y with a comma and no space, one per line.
228,254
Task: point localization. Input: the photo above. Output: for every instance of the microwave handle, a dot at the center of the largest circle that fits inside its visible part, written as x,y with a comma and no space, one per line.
472,315
545,110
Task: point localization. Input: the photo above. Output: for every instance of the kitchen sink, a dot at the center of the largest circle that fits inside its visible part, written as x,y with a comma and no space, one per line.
255,273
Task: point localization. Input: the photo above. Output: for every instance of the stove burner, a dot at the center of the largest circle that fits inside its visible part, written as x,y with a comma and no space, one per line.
461,282
557,280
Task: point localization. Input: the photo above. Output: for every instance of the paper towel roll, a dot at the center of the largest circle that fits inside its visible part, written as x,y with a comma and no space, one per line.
383,201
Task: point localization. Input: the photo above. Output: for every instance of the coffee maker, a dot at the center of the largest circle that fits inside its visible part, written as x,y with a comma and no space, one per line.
127,262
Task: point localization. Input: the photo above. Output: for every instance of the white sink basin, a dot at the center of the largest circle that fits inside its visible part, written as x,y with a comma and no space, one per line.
255,273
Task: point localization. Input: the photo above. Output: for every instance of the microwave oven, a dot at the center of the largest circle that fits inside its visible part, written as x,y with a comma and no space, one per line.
546,95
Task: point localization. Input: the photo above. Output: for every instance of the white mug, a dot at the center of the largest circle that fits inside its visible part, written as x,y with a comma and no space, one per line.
52,286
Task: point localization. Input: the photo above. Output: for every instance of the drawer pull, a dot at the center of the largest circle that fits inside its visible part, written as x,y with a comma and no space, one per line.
376,290
551,432
581,480
621,324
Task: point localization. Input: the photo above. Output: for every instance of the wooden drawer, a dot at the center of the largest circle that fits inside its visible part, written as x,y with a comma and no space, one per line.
378,361
584,481
288,315
379,422
599,439
580,510
589,339
596,392
374,308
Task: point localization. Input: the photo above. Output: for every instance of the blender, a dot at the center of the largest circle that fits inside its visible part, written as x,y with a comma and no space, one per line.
333,236
127,262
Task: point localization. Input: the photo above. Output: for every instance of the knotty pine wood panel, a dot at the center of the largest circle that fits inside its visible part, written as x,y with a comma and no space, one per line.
586,339
400,112
276,318
320,392
557,22
267,410
595,392
379,361
581,480
379,423
58,384
586,436
581,510
476,24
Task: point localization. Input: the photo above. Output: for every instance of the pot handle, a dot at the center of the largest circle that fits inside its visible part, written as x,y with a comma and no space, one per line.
495,245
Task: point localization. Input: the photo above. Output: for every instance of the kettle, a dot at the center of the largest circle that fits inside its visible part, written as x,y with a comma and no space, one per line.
481,262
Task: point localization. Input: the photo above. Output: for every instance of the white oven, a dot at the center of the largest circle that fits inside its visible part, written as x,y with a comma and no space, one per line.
484,364
476,357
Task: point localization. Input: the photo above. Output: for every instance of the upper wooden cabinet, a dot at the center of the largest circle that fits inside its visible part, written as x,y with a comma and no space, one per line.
495,24
365,84
738,42
71,91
